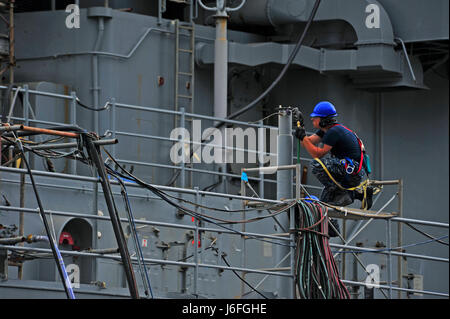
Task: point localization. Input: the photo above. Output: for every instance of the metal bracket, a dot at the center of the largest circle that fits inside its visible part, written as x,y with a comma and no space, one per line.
221,7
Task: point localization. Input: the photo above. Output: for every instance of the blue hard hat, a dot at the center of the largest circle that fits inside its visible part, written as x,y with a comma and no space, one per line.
324,109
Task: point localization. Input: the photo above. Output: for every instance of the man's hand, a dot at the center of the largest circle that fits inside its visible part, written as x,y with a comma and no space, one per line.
300,133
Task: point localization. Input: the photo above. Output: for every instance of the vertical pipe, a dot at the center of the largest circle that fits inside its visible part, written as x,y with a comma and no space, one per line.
177,70
26,114
26,101
221,82
177,65
159,12
400,237
292,225
389,256
261,157
183,169
113,123
196,239
297,181
243,252
192,70
73,121
344,236
380,134
95,90
26,117
243,193
95,72
95,213
284,190
53,5
12,58
355,276
191,10
221,68
21,219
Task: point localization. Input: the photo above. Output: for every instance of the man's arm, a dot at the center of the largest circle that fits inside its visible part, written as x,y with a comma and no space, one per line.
314,139
313,150
309,141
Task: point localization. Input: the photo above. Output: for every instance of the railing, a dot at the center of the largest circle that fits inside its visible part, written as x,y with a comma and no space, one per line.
182,115
183,118
198,229
389,251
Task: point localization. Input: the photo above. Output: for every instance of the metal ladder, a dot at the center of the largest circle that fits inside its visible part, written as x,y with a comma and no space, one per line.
184,76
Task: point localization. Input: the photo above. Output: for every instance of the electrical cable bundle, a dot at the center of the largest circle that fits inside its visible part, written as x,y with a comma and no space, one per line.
140,256
316,272
164,196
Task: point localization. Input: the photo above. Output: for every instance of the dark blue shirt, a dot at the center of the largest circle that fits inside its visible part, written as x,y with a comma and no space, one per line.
343,142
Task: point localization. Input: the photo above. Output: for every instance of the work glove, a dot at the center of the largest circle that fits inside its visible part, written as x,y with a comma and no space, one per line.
300,133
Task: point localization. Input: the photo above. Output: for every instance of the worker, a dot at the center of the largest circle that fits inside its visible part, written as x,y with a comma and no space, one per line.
346,151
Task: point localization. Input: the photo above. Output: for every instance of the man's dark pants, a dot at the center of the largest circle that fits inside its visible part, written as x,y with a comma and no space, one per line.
337,170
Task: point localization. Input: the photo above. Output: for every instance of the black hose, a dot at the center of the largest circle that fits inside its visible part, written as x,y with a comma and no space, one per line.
140,257
44,220
283,72
95,156
92,108
242,279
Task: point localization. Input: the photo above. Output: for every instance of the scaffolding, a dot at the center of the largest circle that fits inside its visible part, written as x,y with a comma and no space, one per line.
246,201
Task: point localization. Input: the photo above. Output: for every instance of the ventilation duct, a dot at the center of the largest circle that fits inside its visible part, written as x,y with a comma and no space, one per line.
375,61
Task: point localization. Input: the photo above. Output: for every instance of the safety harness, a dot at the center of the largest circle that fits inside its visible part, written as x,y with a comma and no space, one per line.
350,170
361,148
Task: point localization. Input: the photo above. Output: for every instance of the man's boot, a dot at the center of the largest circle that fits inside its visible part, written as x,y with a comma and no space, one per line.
342,198
328,194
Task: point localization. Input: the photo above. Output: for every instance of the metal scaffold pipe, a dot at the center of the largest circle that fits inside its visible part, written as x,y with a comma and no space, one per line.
10,128
284,189
221,65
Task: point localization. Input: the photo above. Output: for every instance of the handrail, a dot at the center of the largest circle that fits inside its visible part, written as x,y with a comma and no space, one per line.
73,98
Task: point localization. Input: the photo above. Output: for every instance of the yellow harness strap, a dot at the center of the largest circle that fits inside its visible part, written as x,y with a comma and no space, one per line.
332,178
363,185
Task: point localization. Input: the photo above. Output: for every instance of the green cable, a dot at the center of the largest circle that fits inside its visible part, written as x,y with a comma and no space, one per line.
302,271
314,279
322,261
314,246
327,291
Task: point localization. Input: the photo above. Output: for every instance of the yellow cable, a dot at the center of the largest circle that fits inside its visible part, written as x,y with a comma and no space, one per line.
363,185
339,185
